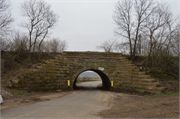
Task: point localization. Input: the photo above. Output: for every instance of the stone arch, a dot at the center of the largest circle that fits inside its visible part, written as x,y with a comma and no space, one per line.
54,74
106,82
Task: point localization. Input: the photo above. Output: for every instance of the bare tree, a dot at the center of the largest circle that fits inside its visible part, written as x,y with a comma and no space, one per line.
109,45
63,46
5,16
40,19
160,47
4,43
129,15
139,46
122,47
156,26
45,46
57,45
175,41
54,45
19,42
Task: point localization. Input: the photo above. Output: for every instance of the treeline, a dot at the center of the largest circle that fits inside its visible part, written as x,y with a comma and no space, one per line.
18,42
39,20
147,28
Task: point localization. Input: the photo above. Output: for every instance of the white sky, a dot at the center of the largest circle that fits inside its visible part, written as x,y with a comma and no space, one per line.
84,24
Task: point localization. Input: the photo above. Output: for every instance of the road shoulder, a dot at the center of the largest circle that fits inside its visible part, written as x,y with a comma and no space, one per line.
12,102
133,106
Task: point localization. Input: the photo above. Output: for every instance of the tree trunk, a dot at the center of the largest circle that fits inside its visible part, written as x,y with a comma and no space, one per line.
151,45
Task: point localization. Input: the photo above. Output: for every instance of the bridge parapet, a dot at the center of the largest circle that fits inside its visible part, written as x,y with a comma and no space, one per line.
53,74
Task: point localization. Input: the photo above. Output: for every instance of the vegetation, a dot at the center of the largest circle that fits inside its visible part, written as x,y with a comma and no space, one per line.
146,28
22,51
167,77
39,20
17,93
171,68
171,93
5,17
165,94
12,60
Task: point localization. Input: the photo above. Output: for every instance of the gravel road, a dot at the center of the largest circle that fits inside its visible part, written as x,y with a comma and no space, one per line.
99,104
80,104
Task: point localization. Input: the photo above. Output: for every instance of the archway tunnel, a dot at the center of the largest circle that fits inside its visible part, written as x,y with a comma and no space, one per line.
106,83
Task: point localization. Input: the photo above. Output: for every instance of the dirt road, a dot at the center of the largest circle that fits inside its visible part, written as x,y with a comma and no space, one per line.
80,104
90,85
99,104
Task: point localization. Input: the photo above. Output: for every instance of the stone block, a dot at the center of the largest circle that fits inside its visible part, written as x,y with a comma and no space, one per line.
147,80
39,67
148,83
159,89
149,88
137,86
34,70
157,92
144,76
141,73
139,90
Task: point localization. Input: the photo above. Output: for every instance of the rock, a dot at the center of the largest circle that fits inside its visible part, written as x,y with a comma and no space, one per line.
9,85
58,90
15,81
28,90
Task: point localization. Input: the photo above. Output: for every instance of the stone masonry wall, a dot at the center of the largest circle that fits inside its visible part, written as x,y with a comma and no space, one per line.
53,74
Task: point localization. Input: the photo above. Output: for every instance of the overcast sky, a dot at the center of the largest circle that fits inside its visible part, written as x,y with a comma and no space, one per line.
84,24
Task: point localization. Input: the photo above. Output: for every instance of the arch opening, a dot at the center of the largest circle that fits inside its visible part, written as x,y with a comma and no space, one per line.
104,81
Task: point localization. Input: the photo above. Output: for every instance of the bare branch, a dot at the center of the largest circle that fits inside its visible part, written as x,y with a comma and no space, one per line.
129,16
109,45
40,19
5,16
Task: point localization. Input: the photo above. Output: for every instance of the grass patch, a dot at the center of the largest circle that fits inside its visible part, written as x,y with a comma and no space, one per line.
163,77
170,93
78,81
163,94
16,92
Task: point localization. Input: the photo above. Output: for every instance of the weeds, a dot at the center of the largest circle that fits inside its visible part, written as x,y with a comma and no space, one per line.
163,77
163,94
171,93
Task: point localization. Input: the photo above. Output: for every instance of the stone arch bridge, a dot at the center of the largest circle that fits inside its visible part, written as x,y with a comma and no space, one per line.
113,68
